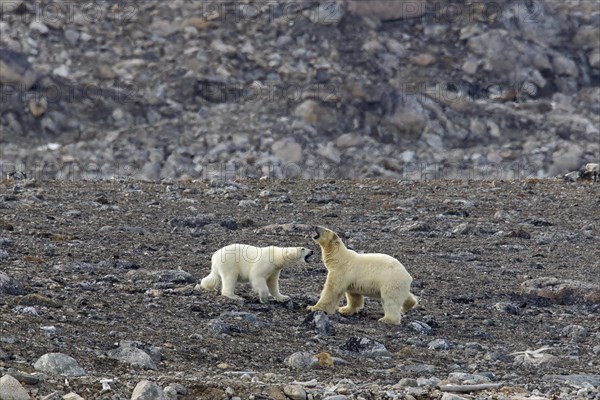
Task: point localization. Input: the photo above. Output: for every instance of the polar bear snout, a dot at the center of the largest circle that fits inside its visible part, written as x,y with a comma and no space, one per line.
307,256
317,233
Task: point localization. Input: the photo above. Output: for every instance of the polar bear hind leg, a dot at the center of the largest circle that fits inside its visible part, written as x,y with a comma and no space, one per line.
273,285
228,288
392,306
356,302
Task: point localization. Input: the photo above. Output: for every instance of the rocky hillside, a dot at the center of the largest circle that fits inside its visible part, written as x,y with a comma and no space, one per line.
416,89
98,291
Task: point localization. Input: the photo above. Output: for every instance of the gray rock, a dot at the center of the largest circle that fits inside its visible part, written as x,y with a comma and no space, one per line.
10,285
5,242
301,360
247,204
295,392
463,378
170,393
387,10
508,308
15,69
3,255
11,389
174,276
575,332
320,322
365,347
451,396
328,13
421,327
128,353
60,364
179,388
288,151
439,344
580,380
418,369
147,390
563,291
408,382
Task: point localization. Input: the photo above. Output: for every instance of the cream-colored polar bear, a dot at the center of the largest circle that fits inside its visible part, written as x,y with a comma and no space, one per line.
260,266
356,275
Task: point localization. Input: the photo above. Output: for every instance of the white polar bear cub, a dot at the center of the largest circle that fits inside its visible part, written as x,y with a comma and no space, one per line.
357,275
258,265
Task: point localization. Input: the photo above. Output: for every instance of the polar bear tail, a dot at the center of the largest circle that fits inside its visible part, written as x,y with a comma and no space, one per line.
410,302
211,281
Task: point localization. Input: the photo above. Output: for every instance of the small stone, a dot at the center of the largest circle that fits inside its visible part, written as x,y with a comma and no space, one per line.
38,107
10,285
72,396
170,393
176,276
247,203
423,60
387,10
58,363
438,344
365,347
16,69
147,390
39,27
508,308
179,388
301,360
128,353
575,332
294,392
408,382
421,327
320,321
451,396
11,389
349,140
328,13
220,47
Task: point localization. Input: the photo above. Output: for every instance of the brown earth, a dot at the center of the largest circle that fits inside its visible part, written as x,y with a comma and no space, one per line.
469,245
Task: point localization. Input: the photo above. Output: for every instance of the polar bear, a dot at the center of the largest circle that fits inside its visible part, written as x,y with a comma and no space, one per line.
258,265
357,275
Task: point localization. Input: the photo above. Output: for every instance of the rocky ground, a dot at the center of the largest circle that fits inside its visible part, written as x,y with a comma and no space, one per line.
105,274
174,89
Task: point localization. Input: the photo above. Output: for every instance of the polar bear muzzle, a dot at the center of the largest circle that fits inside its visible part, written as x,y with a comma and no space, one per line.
308,255
318,233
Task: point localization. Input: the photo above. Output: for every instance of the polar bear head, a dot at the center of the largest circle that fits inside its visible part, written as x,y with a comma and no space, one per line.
294,254
327,239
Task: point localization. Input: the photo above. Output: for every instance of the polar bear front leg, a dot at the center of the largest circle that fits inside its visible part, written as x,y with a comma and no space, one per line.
273,285
356,302
260,285
330,298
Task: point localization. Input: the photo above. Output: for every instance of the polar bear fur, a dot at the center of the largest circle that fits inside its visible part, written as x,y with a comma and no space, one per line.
357,275
260,266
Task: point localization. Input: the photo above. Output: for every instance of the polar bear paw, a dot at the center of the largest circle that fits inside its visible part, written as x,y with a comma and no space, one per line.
235,298
346,310
282,298
391,321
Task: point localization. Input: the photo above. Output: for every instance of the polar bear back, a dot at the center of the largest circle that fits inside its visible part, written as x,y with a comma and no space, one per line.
368,273
243,258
